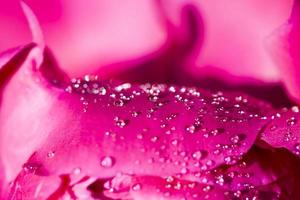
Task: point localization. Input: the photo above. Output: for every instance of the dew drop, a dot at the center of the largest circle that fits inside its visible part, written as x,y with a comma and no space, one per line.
273,128
235,139
172,89
291,121
50,154
174,142
295,109
124,86
120,122
119,102
197,155
154,139
102,91
297,148
230,160
184,171
107,161
31,167
191,129
207,188
136,187
135,113
140,136
169,179
76,170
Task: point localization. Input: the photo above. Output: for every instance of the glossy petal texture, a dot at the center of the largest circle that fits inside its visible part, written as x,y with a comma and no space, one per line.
259,175
162,131
148,129
93,138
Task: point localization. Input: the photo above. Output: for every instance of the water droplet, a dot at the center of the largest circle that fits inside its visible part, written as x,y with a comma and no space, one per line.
135,113
295,109
50,154
197,155
170,179
120,122
291,121
136,187
288,136
140,136
172,89
102,91
237,138
119,102
184,171
154,139
273,128
31,167
124,86
77,171
107,161
174,142
230,160
207,188
297,148
220,180
191,129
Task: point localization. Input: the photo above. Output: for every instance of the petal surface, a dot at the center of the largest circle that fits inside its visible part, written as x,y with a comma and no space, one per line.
283,130
284,47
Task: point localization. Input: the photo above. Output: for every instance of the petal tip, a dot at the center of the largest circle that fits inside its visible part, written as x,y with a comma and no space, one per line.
34,25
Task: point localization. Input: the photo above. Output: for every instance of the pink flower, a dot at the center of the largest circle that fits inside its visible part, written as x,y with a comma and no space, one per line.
111,135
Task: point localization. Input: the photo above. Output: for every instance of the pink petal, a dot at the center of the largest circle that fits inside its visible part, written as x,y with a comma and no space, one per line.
101,31
36,187
168,136
170,188
283,130
284,47
97,33
152,188
34,26
150,130
21,60
261,174
234,35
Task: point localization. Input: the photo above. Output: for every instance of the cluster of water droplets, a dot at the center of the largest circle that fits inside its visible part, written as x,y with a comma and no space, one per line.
285,126
224,109
214,117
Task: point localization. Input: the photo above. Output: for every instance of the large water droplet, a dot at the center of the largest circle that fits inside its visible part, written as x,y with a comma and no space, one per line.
295,109
31,167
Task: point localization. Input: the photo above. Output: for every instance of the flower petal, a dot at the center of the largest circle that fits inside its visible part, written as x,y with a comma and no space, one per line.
244,31
170,188
164,133
284,47
283,130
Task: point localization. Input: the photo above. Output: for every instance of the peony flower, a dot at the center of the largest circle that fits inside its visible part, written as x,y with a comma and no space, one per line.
153,119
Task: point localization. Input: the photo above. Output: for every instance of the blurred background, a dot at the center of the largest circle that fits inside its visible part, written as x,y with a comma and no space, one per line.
165,39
